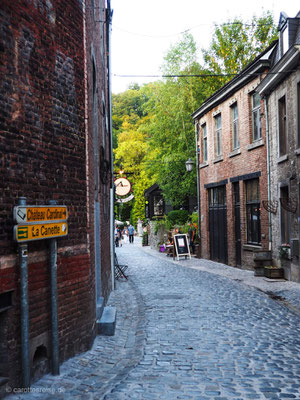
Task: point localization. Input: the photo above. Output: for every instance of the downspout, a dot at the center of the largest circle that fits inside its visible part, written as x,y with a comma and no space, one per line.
268,170
198,190
112,216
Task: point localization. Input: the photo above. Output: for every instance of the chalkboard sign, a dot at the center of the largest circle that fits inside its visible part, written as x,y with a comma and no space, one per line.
182,245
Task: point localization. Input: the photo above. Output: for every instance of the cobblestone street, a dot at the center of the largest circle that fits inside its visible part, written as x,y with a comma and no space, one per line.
186,333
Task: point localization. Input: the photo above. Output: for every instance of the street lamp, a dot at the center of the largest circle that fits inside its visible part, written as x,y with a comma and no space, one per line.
189,165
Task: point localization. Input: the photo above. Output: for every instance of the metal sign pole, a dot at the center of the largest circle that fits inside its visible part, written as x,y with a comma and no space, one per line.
23,258
54,307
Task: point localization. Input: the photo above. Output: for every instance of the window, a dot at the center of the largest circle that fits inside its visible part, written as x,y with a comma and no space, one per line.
218,125
217,196
284,215
235,127
298,115
158,206
256,122
253,211
282,126
204,143
284,41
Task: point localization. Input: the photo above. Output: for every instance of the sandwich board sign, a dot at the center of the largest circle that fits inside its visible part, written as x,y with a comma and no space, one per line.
182,246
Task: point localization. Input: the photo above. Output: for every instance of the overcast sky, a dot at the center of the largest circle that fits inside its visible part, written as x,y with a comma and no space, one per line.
144,30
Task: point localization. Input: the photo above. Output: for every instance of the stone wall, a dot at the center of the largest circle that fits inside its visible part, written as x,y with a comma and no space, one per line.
285,170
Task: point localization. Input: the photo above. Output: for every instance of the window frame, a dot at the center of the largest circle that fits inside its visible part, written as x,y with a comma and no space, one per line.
204,148
253,213
282,126
235,127
256,117
218,135
285,236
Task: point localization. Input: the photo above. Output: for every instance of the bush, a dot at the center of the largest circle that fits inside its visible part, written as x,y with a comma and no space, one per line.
178,217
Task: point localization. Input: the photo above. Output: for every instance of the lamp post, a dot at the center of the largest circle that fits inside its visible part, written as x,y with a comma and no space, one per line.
189,166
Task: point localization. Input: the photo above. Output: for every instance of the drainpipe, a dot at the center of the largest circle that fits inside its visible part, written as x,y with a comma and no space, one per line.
198,190
112,216
54,308
268,170
23,259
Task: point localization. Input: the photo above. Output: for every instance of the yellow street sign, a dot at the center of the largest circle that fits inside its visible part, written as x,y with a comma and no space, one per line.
27,233
36,214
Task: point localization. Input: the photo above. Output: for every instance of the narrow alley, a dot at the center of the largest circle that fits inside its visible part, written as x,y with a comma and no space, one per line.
185,333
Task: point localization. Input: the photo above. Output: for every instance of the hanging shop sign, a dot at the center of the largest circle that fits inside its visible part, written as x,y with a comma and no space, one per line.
123,186
126,199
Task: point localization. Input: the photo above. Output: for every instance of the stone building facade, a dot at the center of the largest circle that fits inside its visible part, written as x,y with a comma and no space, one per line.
281,91
233,169
55,145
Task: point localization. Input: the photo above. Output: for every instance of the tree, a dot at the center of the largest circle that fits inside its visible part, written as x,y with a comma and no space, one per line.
127,106
171,103
235,44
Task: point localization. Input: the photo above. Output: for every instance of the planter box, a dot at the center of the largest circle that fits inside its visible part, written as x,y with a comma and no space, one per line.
274,273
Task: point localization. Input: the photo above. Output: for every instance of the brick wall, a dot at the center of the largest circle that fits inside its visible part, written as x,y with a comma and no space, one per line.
231,165
47,153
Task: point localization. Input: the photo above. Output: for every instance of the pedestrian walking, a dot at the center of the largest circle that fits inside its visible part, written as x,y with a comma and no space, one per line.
116,237
120,234
125,234
131,233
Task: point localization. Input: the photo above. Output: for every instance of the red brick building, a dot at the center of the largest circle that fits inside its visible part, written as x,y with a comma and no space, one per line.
233,169
55,144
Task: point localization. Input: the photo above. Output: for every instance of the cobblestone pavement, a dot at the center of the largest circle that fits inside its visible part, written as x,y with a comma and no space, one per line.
189,329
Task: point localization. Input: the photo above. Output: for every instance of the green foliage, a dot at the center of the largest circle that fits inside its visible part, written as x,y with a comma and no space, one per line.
178,217
152,125
235,44
171,129
162,222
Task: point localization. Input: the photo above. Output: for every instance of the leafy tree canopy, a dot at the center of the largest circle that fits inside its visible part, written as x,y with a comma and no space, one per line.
153,128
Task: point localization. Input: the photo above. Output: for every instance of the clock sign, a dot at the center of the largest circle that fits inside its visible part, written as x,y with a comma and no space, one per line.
123,186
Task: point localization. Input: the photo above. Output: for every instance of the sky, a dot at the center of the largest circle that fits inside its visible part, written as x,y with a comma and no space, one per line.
144,30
